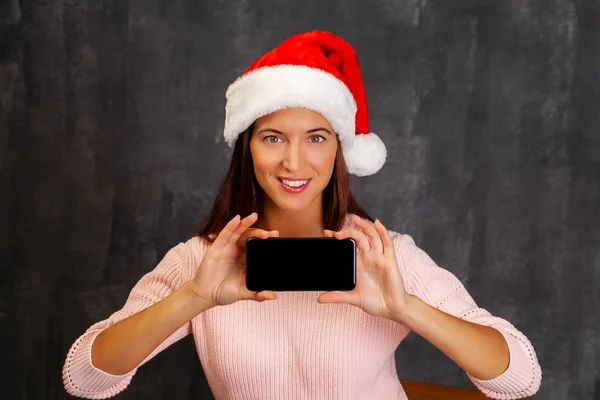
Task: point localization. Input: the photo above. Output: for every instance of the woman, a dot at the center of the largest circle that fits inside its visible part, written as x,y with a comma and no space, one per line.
297,121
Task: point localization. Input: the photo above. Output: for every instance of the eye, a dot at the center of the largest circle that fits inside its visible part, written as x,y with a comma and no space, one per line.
318,138
271,139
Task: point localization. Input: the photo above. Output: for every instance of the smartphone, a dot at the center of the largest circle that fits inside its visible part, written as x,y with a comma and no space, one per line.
300,264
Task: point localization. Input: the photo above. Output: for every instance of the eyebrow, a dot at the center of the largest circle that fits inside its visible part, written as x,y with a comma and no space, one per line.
281,133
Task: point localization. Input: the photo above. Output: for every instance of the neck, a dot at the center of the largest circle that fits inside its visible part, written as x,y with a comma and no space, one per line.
304,223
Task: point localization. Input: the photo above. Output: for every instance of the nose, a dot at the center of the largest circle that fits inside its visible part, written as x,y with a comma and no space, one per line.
293,157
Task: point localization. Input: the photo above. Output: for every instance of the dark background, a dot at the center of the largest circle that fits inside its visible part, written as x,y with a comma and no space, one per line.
111,148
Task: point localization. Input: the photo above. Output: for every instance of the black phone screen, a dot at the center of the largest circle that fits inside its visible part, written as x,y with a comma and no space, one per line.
300,264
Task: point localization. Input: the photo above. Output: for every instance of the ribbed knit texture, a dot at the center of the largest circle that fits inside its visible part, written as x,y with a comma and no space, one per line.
296,348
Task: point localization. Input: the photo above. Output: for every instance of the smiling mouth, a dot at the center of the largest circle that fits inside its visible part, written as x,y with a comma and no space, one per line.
294,186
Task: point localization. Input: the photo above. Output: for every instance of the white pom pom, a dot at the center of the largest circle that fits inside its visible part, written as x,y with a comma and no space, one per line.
366,156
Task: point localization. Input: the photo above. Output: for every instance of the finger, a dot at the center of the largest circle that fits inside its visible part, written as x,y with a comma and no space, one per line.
388,243
362,242
263,295
255,233
244,224
225,234
328,233
251,233
258,296
375,240
338,297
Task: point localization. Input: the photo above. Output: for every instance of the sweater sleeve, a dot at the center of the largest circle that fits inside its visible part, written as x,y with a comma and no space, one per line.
441,289
80,377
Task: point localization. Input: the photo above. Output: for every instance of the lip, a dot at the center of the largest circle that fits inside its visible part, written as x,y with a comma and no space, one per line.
292,179
294,190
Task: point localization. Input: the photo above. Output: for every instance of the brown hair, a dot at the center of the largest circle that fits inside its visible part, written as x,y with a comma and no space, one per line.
241,194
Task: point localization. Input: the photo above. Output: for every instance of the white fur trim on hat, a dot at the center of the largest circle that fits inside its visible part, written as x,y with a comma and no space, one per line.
366,156
268,89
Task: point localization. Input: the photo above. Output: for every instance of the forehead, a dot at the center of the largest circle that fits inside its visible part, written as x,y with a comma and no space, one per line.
294,117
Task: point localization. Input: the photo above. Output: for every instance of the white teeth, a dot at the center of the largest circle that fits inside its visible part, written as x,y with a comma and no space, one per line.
294,183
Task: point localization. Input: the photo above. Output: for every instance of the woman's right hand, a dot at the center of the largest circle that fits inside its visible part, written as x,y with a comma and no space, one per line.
221,276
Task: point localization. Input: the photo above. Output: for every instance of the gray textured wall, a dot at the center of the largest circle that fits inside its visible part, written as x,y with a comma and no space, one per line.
111,117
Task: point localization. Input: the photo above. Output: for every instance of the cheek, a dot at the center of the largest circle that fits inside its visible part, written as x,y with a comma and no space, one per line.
325,160
263,161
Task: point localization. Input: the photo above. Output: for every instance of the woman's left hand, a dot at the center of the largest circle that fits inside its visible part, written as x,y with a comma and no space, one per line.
379,285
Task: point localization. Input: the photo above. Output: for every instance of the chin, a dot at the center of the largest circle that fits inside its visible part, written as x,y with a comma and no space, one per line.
292,206
293,203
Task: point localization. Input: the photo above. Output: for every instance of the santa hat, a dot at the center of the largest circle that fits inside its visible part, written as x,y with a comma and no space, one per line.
318,71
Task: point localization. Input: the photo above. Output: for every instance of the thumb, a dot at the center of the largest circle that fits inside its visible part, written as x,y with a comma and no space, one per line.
257,296
262,296
335,297
265,295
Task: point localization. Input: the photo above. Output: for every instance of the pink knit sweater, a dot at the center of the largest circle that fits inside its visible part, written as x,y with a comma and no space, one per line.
296,348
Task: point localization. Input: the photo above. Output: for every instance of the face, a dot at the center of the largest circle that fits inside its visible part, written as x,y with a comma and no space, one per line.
294,154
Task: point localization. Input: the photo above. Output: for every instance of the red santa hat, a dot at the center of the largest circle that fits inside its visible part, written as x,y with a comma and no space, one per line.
318,71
